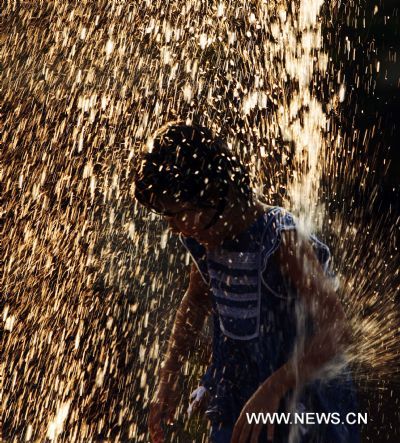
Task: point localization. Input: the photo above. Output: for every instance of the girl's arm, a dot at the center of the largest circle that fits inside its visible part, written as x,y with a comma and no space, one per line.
331,334
331,329
194,308
189,319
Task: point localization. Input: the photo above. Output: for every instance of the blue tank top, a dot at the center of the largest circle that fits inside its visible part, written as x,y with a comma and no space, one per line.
254,311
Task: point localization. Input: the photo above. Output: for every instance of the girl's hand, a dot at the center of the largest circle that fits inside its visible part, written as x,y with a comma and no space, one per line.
162,410
265,400
199,399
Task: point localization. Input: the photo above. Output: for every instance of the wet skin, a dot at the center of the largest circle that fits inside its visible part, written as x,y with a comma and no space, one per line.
191,221
293,255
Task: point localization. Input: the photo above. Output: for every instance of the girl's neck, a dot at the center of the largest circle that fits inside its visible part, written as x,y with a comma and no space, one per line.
236,218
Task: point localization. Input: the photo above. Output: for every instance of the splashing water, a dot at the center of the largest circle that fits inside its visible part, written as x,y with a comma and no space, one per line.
89,291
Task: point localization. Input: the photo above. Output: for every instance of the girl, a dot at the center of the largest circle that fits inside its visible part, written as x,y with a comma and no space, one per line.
277,321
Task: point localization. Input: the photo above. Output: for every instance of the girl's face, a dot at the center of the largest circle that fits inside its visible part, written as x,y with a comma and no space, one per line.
188,219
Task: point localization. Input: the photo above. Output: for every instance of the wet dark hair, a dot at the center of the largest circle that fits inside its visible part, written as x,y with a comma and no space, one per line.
187,163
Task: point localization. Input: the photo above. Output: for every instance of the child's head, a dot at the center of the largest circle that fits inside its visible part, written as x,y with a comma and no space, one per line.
186,166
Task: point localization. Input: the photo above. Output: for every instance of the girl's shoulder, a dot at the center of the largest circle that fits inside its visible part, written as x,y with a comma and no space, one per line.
279,218
198,255
272,209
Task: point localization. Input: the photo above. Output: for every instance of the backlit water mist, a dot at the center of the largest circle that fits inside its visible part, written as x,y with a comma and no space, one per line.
91,282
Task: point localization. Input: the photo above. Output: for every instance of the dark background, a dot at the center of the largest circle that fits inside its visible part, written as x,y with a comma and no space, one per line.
373,99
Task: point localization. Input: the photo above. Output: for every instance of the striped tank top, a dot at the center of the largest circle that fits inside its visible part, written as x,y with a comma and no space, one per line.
236,272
